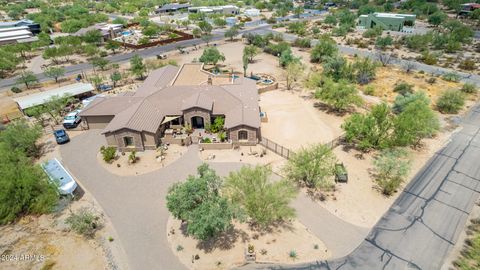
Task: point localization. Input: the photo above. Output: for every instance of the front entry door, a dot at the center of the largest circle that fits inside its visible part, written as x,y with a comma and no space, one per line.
197,122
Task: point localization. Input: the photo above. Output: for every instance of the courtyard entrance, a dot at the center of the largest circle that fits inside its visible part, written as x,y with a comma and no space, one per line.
198,122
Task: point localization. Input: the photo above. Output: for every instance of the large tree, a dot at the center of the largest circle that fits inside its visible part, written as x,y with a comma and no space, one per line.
264,201
312,167
339,95
250,51
54,72
27,78
371,130
415,122
211,56
232,32
294,71
198,202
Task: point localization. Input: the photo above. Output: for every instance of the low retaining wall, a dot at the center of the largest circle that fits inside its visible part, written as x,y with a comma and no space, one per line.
215,146
268,88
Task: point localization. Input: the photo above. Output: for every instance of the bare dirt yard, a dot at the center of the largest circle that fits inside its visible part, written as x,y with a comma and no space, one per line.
227,251
293,120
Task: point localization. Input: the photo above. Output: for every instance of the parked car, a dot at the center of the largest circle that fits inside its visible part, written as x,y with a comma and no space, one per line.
161,56
104,87
61,136
72,119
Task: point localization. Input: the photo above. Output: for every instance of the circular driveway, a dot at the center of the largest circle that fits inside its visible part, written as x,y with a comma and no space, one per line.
137,209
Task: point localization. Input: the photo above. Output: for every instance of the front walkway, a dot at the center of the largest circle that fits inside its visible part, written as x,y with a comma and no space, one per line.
136,204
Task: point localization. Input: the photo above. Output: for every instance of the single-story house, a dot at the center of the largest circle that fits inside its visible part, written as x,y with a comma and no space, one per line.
175,97
72,90
108,30
388,21
173,7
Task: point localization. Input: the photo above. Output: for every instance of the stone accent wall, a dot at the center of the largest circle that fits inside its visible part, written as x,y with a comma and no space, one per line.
188,114
253,135
120,144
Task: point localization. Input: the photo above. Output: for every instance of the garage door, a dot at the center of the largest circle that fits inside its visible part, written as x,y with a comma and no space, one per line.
98,122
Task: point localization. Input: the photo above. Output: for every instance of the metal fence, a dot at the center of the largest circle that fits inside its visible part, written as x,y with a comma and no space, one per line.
275,147
287,153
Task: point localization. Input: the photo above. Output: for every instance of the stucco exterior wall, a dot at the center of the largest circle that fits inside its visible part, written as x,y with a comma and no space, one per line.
253,135
96,122
188,114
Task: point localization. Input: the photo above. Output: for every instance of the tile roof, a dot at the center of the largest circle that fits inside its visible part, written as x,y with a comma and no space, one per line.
157,99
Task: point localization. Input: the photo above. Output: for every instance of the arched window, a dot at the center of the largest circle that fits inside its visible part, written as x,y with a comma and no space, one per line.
243,135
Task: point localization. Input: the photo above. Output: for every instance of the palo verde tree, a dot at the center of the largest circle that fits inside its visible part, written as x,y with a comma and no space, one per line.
340,95
198,202
326,47
211,56
312,167
371,130
54,72
27,78
262,200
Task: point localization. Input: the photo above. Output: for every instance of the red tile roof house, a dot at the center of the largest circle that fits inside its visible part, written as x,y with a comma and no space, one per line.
172,97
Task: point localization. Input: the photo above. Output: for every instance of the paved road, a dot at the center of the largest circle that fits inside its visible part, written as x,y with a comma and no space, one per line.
124,57
136,204
423,224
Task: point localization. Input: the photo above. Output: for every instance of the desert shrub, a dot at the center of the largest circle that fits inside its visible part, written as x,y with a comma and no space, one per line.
365,70
383,42
264,201
218,124
373,32
206,140
108,153
369,90
469,88
451,77
132,157
326,47
15,90
84,222
302,42
451,101
312,167
338,68
403,88
277,49
428,58
401,101
391,169
467,64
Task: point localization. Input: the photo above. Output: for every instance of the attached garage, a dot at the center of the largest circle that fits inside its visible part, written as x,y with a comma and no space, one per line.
97,122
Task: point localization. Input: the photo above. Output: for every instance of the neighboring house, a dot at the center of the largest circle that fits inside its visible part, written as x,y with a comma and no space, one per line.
108,30
171,98
226,10
32,26
18,34
388,21
72,90
172,8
